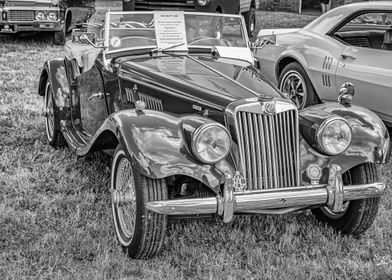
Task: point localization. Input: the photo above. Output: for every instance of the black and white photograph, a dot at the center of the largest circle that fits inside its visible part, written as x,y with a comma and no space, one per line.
195,139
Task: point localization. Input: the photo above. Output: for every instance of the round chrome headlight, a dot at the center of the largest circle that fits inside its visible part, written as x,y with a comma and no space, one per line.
203,3
211,143
334,135
52,16
40,15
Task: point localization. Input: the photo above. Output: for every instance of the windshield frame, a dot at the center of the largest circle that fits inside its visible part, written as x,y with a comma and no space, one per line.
110,53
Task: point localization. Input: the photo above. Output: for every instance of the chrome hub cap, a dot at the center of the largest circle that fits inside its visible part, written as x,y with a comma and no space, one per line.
49,112
294,88
124,201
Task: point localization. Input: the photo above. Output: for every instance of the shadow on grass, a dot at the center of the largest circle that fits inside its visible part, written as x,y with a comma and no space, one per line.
27,38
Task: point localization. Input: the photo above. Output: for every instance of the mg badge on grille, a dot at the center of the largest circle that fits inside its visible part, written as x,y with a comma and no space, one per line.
270,108
239,182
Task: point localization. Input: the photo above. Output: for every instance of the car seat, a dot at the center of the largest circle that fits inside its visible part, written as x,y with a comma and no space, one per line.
387,43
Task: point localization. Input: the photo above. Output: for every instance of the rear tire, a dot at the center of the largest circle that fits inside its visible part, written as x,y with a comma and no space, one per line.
250,20
358,215
140,232
55,137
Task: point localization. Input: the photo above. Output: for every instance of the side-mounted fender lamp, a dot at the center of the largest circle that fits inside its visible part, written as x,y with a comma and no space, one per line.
346,93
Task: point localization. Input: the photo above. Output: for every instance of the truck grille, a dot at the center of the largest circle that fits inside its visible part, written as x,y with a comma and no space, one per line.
21,15
183,5
269,147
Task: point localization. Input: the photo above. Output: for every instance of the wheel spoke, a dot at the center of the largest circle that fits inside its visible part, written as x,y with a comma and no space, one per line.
299,83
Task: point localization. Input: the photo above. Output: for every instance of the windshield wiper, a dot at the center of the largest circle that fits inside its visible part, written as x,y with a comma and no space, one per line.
156,50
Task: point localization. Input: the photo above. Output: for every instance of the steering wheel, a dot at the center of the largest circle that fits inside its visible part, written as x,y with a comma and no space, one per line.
210,41
128,24
134,24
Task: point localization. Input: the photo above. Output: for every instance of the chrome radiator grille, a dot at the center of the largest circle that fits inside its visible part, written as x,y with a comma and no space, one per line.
269,149
21,15
184,5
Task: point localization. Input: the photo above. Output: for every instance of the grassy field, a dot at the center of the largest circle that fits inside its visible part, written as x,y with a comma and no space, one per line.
55,216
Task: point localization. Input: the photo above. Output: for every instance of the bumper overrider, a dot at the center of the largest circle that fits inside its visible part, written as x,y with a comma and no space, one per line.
280,200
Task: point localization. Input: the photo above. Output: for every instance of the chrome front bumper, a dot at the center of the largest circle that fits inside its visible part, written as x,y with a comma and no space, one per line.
281,200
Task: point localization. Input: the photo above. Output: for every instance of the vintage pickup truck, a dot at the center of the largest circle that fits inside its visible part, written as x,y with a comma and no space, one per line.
57,16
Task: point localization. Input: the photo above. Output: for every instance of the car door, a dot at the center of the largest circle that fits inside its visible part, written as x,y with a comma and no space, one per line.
367,62
370,71
92,101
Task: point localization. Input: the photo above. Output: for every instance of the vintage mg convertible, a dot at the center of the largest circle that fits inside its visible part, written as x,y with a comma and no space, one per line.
195,130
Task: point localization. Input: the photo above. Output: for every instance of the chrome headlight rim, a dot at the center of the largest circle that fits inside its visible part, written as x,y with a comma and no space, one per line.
203,3
44,16
48,16
198,133
321,129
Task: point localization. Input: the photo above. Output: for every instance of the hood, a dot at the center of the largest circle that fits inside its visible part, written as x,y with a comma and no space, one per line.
264,32
217,81
16,3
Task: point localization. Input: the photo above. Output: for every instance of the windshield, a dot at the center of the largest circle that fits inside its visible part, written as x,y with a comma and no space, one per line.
170,30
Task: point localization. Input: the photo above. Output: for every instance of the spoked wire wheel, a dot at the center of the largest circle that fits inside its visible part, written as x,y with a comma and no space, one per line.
49,112
124,202
54,136
139,231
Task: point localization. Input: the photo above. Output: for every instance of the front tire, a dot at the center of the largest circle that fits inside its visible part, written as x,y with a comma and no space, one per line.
60,37
295,84
358,215
140,232
55,137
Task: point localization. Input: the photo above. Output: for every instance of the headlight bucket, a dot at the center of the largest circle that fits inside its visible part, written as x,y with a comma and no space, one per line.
52,15
334,136
40,15
203,3
211,143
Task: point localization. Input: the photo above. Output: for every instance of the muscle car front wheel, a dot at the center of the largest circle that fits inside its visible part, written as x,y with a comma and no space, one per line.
357,215
55,138
139,231
296,85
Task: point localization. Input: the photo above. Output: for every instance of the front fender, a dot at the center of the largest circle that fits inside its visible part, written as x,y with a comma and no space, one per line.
55,72
293,55
370,139
157,144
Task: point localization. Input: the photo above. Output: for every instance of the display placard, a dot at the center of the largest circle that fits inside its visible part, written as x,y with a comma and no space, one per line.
170,30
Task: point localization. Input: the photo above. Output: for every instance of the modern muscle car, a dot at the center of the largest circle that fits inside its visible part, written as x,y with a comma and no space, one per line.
194,129
57,16
351,43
